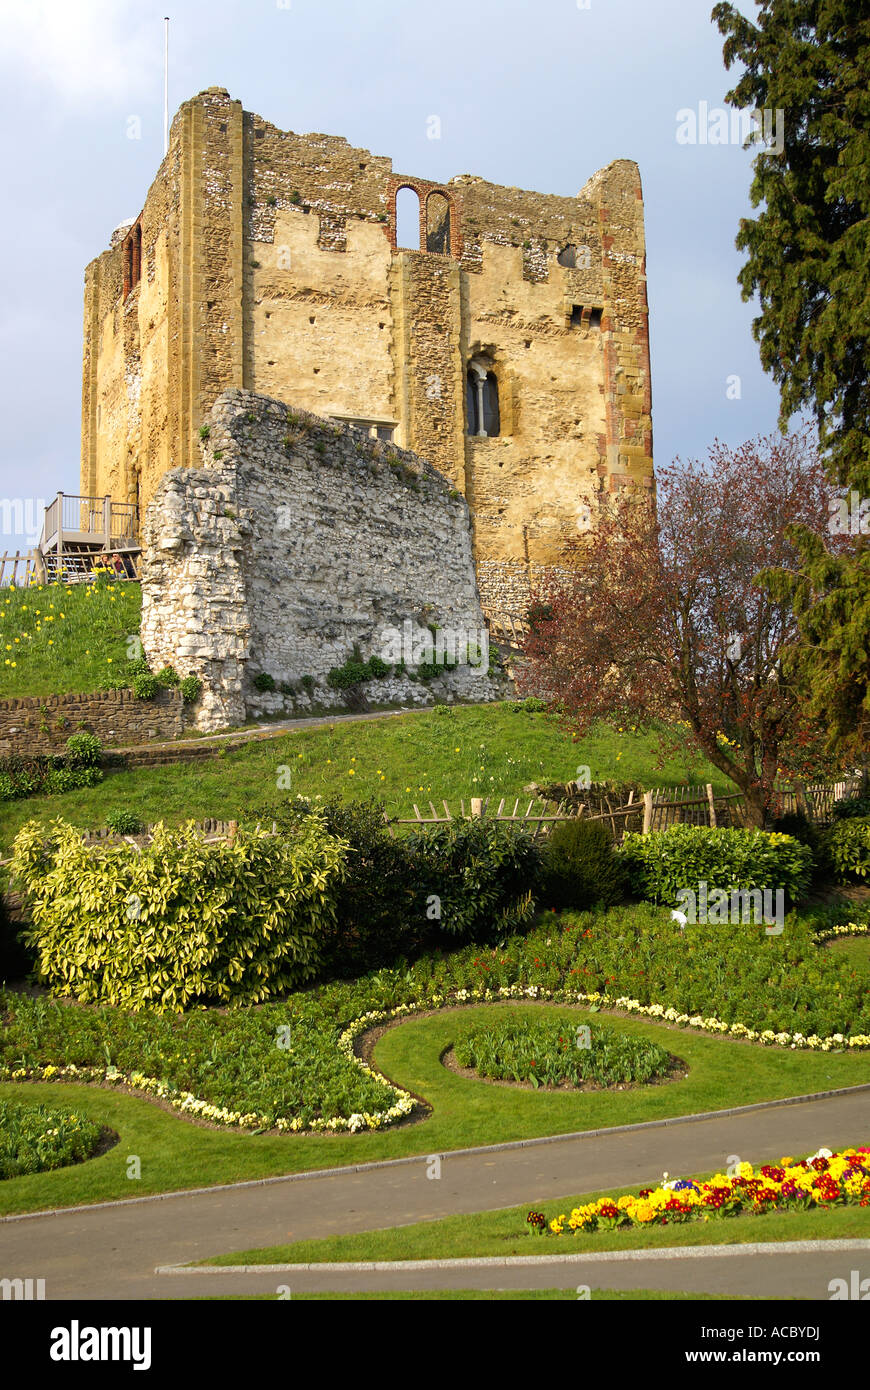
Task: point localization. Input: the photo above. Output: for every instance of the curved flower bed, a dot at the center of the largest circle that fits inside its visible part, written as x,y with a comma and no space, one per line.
845,929
35,1138
554,1052
824,1179
227,1069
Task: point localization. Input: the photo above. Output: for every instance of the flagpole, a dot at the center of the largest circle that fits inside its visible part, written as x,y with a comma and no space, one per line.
165,84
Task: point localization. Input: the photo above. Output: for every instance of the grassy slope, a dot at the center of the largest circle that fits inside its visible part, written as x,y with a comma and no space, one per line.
178,1154
471,751
57,639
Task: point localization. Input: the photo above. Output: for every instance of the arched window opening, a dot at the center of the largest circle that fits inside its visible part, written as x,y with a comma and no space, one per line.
438,224
482,401
132,258
407,219
568,256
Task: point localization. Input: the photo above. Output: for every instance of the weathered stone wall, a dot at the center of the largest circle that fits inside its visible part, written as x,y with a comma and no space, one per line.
295,543
274,268
42,724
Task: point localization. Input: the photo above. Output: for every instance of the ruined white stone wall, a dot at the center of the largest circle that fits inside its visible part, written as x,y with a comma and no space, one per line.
297,541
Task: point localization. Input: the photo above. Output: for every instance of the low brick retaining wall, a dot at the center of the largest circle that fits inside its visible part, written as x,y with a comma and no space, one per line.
42,724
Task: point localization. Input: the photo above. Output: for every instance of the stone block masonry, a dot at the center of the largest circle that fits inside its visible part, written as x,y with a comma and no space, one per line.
301,544
41,724
268,260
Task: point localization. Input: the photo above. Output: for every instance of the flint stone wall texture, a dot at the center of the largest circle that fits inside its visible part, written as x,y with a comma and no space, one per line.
296,540
116,717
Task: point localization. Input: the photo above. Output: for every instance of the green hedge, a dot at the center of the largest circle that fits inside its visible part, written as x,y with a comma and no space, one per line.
478,876
180,921
471,880
663,862
847,843
582,867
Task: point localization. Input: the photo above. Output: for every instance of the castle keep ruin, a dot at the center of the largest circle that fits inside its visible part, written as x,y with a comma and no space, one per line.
295,544
510,350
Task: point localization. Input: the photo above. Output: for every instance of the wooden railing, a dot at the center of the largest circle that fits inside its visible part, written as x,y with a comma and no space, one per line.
9,569
92,518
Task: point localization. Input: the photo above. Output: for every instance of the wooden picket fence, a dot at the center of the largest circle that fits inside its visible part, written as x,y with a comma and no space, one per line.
9,574
212,832
655,810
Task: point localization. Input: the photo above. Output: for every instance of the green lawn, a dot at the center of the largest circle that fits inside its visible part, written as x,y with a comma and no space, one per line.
178,1154
64,639
856,949
506,1233
482,750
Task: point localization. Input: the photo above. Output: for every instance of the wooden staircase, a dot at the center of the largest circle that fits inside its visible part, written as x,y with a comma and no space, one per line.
80,533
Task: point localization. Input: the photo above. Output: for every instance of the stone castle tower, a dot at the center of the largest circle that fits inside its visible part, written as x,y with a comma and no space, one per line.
511,349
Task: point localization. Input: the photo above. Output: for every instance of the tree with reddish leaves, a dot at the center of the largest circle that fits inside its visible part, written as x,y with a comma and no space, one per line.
662,622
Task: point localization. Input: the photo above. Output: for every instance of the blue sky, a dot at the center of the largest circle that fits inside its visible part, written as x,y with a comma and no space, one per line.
537,95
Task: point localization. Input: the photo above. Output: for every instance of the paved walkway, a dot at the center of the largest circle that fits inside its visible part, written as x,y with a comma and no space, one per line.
112,1251
272,728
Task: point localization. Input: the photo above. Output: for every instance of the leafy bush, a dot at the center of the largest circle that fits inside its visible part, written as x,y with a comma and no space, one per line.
581,866
471,879
851,806
124,823
15,959
483,875
191,689
380,915
180,921
34,1138
531,705
83,750
848,845
553,1051
144,686
797,824
663,862
67,779
263,681
350,674
354,672
22,777
167,677
138,666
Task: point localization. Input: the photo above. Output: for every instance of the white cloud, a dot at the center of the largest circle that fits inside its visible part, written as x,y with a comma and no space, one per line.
83,50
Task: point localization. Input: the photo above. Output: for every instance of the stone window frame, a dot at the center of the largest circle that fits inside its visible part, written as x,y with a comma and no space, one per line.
131,249
488,352
483,368
424,190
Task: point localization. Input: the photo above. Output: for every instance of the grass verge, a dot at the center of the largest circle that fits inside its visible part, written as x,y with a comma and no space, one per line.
481,750
505,1233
